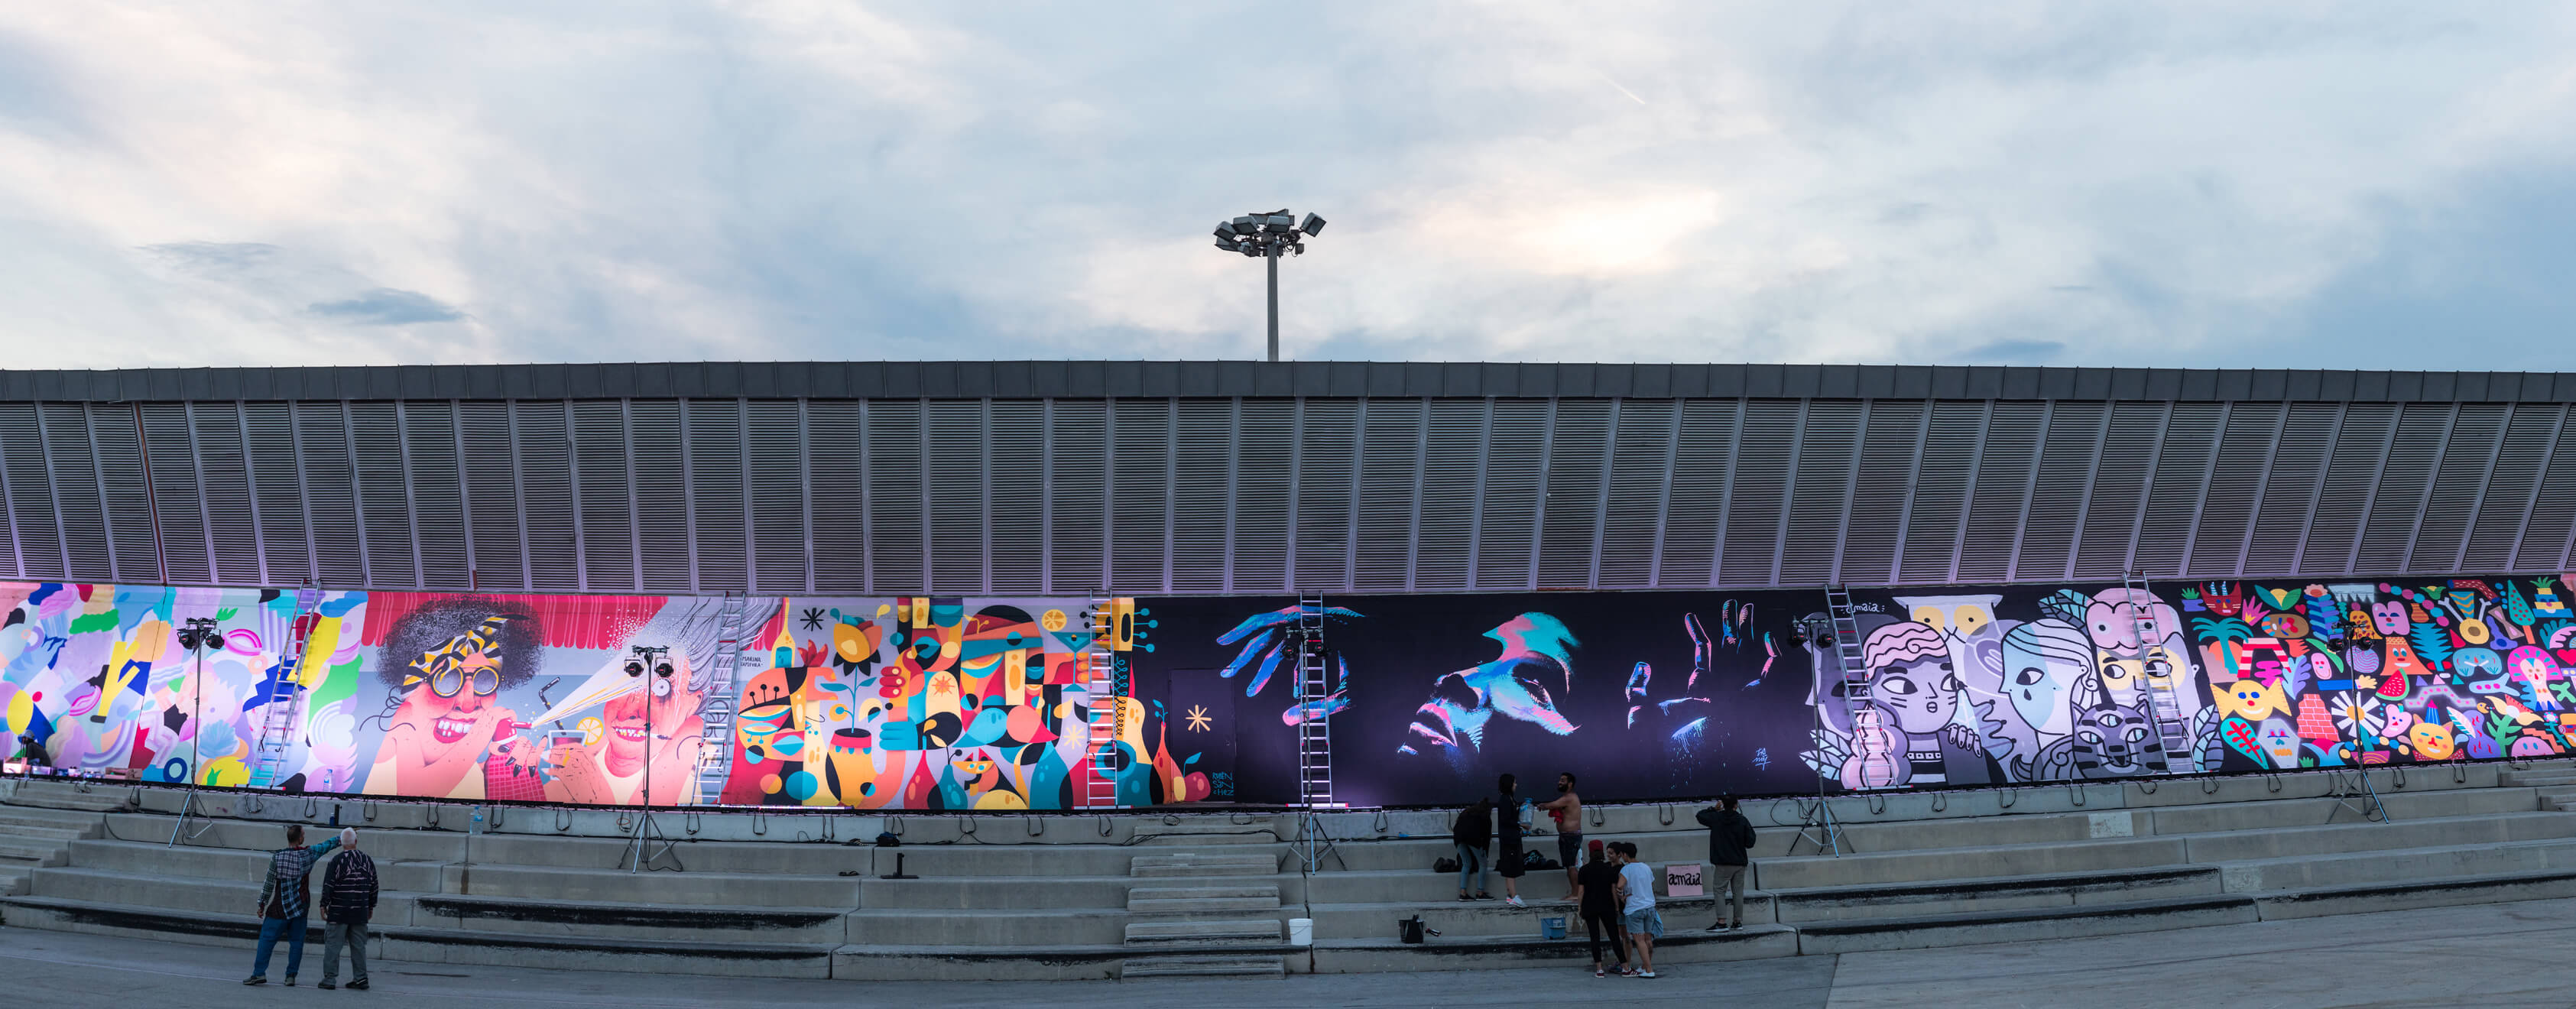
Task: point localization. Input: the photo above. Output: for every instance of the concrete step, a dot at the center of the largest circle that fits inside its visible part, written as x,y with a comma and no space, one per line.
1680,944
1493,918
712,924
434,945
1202,830
2363,868
2540,776
1204,966
1863,934
1819,872
2009,893
47,795
1021,963
1189,899
2403,833
38,851
1256,931
995,930
545,883
35,833
2402,892
13,817
176,893
1204,864
13,878
997,892
153,858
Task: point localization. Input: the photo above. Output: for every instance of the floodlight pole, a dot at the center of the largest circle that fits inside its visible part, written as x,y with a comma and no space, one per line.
1273,257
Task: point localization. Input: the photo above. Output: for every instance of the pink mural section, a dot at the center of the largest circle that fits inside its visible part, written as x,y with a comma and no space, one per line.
913,703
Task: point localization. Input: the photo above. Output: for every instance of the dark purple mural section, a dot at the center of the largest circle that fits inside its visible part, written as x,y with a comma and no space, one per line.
1686,695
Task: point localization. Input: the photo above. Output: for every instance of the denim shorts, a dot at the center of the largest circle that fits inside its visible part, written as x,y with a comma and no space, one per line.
1646,923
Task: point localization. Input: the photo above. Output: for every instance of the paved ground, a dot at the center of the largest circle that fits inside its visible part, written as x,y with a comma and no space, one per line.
2492,956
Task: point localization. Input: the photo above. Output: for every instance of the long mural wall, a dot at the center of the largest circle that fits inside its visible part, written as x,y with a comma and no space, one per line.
1657,695
895,703
920,703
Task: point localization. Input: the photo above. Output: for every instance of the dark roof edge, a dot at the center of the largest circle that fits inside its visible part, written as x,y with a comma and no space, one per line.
1092,379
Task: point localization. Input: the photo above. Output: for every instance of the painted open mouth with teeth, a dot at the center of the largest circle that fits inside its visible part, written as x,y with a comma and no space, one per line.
449,730
629,733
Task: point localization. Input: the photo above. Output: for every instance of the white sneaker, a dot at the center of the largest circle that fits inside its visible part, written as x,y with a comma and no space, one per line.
1515,902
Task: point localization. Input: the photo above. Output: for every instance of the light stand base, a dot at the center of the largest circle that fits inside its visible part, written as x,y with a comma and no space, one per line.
1313,842
647,831
1818,828
189,807
2353,791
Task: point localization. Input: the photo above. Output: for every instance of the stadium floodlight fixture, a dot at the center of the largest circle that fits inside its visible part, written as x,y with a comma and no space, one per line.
1269,236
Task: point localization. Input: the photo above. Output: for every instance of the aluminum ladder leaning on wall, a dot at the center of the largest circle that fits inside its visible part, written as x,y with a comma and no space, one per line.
1851,684
1315,689
285,714
715,715
1100,678
2157,668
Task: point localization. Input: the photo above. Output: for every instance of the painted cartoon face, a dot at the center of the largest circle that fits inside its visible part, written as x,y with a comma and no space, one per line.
2475,664
450,703
1957,617
2043,660
2389,618
2533,665
2280,740
1923,694
2432,740
2402,660
2251,700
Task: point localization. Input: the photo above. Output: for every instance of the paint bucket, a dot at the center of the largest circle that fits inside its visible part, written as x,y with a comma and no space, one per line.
1551,927
1301,931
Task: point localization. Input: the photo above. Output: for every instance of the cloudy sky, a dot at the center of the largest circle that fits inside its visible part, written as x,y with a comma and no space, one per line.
2226,184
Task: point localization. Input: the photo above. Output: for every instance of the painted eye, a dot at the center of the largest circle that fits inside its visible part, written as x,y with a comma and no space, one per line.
2137,734
1898,685
2029,677
2090,736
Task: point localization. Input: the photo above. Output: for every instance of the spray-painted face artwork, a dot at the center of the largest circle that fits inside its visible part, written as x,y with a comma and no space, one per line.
1911,676
450,658
1520,684
2431,740
2389,618
2280,741
2043,660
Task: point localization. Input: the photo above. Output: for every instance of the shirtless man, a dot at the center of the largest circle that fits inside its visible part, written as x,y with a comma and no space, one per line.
1567,808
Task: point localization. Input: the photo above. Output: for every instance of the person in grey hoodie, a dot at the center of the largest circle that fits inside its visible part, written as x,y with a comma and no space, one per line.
1730,839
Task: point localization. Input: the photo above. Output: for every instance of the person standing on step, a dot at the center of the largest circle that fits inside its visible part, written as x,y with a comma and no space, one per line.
348,900
1596,897
1730,844
284,900
1473,831
1507,851
1637,900
1567,808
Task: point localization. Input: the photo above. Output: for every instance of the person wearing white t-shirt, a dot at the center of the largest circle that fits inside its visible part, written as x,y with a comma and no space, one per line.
1637,900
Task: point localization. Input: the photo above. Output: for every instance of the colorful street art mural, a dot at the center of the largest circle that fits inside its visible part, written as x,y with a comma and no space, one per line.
899,703
942,703
1676,695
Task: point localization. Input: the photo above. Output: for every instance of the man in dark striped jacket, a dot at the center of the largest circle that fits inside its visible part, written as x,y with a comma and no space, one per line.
348,900
284,899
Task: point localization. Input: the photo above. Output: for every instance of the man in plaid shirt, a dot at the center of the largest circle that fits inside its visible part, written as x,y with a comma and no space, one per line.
348,900
284,900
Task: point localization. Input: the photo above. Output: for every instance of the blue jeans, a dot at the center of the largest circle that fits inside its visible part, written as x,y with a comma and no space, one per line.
269,930
1472,859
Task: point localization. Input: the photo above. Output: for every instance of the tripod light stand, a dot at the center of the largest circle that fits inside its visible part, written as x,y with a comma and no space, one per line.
655,661
195,636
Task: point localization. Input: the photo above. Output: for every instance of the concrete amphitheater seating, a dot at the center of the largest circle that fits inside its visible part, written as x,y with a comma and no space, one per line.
1080,896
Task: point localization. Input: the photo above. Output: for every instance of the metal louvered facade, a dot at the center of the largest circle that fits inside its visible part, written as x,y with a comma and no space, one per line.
1180,478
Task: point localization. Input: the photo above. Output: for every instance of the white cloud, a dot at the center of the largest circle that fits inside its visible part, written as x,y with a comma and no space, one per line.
187,182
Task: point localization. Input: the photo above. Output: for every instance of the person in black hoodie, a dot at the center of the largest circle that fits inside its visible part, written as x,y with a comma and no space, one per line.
1471,833
1730,839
